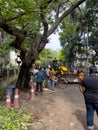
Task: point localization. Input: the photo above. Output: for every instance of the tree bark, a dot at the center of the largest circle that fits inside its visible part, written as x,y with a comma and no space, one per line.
24,76
29,57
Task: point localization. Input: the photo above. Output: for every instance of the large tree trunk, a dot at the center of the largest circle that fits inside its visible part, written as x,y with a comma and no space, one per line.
24,76
27,61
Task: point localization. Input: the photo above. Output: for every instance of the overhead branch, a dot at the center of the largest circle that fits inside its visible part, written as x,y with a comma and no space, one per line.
45,25
64,15
17,33
58,7
74,6
57,11
62,3
25,26
44,6
42,40
19,38
14,18
44,22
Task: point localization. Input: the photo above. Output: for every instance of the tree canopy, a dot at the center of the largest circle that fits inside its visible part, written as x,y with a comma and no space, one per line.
30,19
30,23
80,29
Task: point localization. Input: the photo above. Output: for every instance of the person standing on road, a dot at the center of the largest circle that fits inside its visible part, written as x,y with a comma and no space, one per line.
81,75
52,80
89,88
47,76
39,81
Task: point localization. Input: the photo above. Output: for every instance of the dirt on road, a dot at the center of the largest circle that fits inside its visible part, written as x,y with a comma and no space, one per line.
61,110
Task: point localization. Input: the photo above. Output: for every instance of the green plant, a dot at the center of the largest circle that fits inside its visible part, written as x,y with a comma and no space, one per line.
14,119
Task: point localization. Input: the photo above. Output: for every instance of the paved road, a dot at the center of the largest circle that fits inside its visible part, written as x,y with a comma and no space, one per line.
75,107
62,110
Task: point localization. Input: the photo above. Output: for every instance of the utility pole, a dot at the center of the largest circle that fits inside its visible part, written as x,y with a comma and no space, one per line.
87,52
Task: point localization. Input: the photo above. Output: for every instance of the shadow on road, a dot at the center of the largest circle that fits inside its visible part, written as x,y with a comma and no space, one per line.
80,115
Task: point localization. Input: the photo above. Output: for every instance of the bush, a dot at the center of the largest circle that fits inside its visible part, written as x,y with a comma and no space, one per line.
14,119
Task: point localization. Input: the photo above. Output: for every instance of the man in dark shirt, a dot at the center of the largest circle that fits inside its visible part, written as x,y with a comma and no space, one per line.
39,81
89,88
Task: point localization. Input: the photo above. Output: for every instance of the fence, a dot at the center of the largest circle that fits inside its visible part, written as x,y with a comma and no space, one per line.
7,73
7,77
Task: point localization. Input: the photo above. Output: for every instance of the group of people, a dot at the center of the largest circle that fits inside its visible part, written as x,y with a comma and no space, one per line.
88,86
43,77
89,89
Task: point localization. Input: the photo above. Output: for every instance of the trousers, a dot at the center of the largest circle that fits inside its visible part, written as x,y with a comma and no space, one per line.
90,108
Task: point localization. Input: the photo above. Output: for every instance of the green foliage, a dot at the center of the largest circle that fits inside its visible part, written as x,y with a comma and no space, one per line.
92,3
69,38
4,46
25,14
60,56
74,27
45,56
14,119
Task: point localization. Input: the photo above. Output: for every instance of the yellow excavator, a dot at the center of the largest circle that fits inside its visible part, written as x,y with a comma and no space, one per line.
62,73
59,67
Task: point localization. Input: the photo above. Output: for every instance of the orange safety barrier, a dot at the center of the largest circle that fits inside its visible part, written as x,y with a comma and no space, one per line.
32,94
16,99
8,100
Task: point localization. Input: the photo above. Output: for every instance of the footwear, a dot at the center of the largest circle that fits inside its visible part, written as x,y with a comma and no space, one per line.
50,91
90,127
53,91
36,93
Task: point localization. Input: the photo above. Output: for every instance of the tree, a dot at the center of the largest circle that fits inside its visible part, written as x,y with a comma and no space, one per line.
79,31
45,57
70,39
35,19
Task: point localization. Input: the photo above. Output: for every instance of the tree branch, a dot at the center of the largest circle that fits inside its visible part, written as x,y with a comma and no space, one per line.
19,37
13,18
57,11
65,14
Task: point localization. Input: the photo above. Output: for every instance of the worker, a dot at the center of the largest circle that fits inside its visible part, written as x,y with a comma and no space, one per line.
80,75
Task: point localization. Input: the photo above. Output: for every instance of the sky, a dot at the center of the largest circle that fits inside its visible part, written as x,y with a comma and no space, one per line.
54,43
